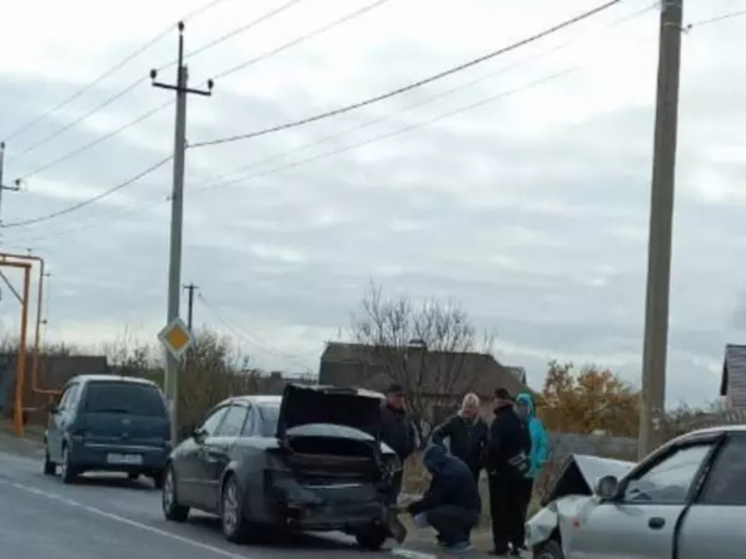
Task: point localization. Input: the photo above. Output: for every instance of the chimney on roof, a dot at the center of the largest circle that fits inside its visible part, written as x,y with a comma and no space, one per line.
275,375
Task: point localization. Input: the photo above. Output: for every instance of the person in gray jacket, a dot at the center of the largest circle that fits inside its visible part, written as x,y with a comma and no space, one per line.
397,431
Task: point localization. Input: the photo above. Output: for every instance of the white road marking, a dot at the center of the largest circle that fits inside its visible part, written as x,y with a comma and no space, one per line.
123,520
409,554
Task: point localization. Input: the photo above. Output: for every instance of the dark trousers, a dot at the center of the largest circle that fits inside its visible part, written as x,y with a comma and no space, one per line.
453,524
506,492
527,490
396,484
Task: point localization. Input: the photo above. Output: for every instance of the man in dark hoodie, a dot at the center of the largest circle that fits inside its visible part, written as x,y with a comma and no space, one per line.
466,433
397,431
451,505
507,462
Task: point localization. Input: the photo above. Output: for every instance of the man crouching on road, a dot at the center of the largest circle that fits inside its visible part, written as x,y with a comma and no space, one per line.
451,505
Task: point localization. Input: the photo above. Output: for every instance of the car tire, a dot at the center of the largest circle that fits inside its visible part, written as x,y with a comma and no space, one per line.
50,468
133,476
232,513
372,540
159,478
67,470
172,510
549,550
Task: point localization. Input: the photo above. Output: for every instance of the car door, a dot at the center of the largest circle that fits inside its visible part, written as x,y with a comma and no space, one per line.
641,522
187,460
215,453
714,525
59,420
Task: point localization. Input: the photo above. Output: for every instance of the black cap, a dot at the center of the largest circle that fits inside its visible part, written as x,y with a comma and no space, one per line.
396,389
503,394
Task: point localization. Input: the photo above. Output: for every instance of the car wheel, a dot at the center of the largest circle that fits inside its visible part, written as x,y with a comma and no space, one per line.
133,476
372,539
50,468
172,510
159,479
549,550
67,470
235,527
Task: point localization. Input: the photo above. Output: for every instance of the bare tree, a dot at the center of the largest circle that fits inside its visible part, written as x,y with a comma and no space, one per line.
426,347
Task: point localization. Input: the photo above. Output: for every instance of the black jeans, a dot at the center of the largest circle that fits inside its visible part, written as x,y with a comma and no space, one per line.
453,524
396,484
527,490
506,499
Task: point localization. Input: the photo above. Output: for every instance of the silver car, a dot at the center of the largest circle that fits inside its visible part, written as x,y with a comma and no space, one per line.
687,500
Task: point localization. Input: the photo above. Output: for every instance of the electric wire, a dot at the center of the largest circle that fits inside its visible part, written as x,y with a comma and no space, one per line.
413,85
112,70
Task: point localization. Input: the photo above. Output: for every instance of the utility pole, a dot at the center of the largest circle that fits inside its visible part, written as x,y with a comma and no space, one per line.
177,215
190,306
661,225
14,188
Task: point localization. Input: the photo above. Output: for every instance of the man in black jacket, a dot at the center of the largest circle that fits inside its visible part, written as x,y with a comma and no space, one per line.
467,433
397,431
507,463
451,504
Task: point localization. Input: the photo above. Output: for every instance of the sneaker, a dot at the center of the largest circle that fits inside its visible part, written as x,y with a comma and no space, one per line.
461,547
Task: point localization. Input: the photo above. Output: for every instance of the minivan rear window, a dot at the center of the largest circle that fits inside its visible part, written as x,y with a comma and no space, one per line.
124,397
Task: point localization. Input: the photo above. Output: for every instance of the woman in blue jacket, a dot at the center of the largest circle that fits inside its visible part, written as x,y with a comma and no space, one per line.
539,445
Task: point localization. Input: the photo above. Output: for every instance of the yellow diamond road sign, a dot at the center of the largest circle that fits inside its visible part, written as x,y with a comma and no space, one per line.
176,337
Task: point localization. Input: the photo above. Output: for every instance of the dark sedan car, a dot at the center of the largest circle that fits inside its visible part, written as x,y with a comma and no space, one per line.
310,459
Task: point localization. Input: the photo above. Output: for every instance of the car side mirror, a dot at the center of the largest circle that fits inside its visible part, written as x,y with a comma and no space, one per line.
52,408
607,487
186,431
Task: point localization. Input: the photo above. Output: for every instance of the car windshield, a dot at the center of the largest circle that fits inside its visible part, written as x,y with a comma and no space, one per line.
268,417
124,397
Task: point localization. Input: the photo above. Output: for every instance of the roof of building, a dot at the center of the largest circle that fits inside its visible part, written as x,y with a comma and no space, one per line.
497,375
734,366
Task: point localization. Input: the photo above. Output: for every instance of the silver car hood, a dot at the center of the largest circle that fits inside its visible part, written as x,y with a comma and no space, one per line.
571,495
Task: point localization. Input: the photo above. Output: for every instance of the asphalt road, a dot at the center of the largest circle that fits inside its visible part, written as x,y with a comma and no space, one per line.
110,517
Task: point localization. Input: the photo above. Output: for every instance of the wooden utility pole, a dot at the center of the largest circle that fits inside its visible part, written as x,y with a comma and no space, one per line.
661,226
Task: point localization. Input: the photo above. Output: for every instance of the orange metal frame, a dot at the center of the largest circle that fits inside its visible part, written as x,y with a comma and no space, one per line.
25,262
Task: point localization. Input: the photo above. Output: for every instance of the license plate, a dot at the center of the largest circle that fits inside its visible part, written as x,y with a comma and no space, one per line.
124,459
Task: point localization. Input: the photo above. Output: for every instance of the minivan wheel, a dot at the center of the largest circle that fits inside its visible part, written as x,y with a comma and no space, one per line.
235,527
67,471
172,510
159,478
50,468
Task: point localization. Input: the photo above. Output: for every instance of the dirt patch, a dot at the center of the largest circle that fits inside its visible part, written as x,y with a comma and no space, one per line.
30,445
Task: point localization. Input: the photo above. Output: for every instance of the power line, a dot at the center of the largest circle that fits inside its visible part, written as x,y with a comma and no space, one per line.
93,199
213,183
715,19
132,86
303,38
414,85
108,72
97,141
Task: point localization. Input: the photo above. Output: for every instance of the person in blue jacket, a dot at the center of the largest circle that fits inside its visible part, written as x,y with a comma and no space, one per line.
452,504
539,445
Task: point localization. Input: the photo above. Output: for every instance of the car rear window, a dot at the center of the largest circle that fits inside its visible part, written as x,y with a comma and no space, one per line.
268,417
124,397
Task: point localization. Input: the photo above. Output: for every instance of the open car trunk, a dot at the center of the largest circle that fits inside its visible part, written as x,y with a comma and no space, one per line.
330,432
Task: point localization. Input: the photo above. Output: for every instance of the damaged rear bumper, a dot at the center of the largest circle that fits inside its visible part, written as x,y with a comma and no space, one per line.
326,505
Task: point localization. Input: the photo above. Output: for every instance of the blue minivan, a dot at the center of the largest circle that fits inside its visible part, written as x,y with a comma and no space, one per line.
108,423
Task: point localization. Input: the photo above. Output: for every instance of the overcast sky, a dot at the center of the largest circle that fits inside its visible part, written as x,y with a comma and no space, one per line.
519,187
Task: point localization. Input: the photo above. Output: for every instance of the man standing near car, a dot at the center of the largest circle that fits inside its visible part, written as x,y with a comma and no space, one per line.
397,431
507,463
467,433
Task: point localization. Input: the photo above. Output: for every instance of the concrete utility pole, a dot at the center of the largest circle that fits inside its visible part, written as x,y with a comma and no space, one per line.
190,305
177,215
661,225
14,188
